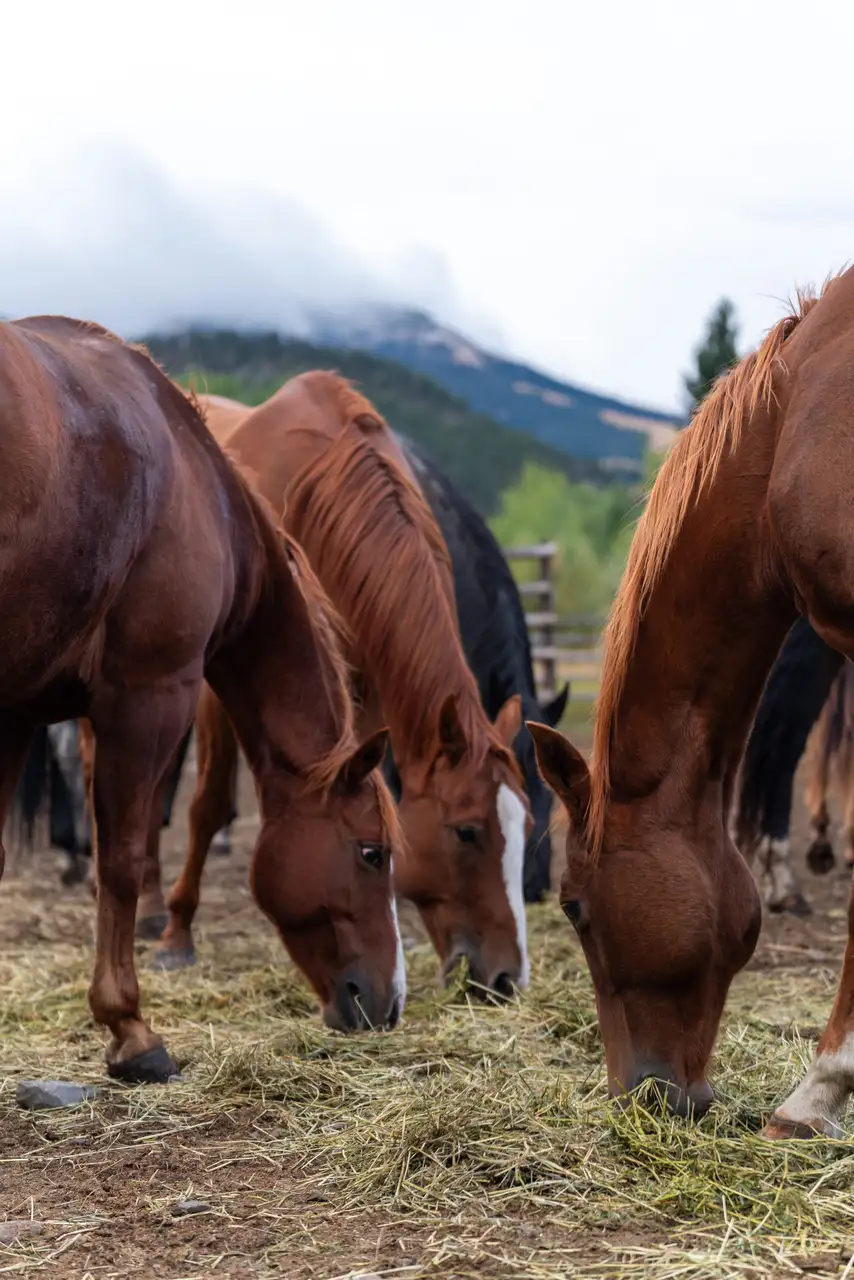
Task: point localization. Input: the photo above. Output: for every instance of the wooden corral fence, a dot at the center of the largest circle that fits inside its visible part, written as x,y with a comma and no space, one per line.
563,648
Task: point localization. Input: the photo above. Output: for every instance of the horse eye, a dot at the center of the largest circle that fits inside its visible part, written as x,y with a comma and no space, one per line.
572,911
372,854
466,835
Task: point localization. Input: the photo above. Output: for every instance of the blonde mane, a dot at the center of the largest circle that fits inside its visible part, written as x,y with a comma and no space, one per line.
688,471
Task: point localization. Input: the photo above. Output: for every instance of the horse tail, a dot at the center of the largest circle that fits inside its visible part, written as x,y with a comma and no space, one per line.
794,695
33,789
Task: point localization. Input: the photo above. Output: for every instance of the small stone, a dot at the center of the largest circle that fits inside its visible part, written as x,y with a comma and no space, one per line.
36,1095
14,1228
185,1207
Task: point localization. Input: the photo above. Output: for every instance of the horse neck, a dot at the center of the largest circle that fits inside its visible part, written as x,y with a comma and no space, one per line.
275,679
712,628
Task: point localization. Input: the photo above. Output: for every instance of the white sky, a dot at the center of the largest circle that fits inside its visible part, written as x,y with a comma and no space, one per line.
575,182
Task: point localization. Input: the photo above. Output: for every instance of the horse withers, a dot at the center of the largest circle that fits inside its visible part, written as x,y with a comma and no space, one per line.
134,563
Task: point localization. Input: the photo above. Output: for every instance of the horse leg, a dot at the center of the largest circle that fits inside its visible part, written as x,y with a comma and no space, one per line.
820,855
137,736
151,914
15,742
817,1104
847,787
217,754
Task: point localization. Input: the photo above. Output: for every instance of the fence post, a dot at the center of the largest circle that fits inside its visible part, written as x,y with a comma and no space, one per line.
542,620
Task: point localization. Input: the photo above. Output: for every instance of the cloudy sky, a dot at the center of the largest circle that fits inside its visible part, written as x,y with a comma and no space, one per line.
574,183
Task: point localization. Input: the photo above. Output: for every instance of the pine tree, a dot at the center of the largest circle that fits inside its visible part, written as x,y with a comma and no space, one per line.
716,353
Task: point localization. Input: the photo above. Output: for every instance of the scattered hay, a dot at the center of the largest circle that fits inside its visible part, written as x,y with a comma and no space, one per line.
474,1141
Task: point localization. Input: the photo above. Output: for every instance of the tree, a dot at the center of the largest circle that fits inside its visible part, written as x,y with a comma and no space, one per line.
716,353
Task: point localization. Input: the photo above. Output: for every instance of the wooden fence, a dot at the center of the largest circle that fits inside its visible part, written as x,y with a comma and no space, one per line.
563,648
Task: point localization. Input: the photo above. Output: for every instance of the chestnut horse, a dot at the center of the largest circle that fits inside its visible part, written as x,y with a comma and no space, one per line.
319,452
135,563
748,524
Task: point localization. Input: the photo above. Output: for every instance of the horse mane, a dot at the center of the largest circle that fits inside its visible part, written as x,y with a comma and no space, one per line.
689,469
378,550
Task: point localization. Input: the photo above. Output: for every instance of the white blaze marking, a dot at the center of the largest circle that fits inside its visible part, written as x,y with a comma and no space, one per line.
511,819
398,983
821,1096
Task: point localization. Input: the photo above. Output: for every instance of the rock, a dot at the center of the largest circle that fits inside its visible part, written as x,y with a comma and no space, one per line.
14,1228
35,1095
185,1207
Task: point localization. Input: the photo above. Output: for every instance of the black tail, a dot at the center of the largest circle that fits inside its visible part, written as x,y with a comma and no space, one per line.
33,791
795,693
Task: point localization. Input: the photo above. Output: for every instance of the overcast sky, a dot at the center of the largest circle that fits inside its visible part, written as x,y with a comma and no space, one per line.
575,183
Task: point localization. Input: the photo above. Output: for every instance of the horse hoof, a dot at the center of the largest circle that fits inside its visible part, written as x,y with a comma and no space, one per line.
794,904
167,959
154,1066
820,856
150,928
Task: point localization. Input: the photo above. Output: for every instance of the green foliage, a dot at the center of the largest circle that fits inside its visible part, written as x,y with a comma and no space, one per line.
716,353
480,455
591,526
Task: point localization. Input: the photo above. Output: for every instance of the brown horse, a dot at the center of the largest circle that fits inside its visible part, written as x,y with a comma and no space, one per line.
830,758
135,562
747,524
319,452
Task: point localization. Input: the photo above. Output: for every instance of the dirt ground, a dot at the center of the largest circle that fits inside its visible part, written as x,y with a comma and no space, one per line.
251,1136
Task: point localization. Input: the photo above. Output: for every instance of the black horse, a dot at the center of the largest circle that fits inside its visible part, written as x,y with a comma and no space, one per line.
496,643
792,701
497,648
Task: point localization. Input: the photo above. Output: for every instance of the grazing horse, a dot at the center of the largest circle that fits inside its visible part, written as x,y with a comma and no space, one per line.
496,643
794,695
746,526
320,454
135,563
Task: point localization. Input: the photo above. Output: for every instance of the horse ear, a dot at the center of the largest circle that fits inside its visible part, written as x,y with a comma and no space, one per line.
508,722
553,711
452,738
367,757
563,769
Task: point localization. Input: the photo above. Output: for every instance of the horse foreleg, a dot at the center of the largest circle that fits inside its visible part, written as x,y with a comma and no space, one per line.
216,755
152,915
817,1104
14,746
820,856
137,736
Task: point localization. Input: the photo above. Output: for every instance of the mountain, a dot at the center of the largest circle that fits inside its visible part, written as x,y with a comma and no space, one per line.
483,456
564,416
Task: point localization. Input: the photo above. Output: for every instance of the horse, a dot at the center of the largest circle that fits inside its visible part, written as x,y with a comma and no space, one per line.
496,644
321,455
792,700
136,564
746,527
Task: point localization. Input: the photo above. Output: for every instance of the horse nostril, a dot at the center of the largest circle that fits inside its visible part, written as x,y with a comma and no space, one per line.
353,989
394,1015
502,986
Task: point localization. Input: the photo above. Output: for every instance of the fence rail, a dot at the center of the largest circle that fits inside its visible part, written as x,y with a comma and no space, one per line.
563,648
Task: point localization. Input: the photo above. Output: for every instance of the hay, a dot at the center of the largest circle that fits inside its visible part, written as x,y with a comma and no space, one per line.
474,1141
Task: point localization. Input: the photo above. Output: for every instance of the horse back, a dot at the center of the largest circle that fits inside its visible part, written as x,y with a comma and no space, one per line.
99,488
